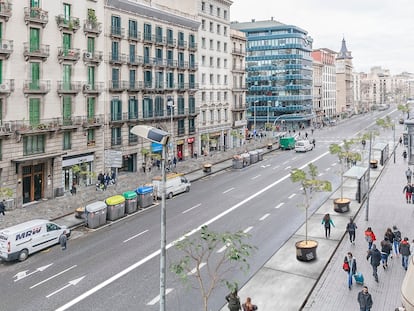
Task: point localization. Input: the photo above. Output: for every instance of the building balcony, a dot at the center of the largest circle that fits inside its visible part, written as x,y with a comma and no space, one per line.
237,108
182,65
148,61
117,59
161,41
92,27
181,44
134,60
70,55
68,88
6,48
93,88
40,87
93,121
134,35
171,63
68,23
5,10
192,46
117,86
34,126
192,66
132,139
171,43
36,16
6,86
238,69
117,32
40,51
159,62
92,57
148,86
116,141
134,86
148,38
239,52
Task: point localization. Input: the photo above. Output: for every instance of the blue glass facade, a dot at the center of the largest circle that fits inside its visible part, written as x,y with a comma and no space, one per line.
279,74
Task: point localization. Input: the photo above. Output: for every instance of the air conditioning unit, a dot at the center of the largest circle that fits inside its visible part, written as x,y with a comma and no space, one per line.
87,87
6,46
88,55
4,87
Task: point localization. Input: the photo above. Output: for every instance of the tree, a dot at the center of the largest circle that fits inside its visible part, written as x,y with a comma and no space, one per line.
404,109
199,250
310,184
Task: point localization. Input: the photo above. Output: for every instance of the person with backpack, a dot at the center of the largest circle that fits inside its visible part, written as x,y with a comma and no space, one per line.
397,240
233,301
386,248
369,237
350,228
405,252
327,222
375,256
408,189
350,266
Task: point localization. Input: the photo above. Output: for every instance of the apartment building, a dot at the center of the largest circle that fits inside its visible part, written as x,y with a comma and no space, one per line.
75,76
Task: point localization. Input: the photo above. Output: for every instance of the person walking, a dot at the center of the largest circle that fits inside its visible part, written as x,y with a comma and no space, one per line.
369,237
327,222
408,174
350,259
375,256
2,208
397,240
365,299
248,306
390,235
233,301
405,252
386,248
408,189
350,228
63,240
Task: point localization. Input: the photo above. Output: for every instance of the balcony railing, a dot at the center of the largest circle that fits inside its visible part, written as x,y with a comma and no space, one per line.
93,57
134,60
92,27
34,126
5,10
92,121
116,141
160,40
65,54
171,42
7,86
192,46
134,86
134,35
64,87
40,51
148,37
36,15
117,59
68,23
93,88
182,44
36,86
117,85
117,32
6,47
239,51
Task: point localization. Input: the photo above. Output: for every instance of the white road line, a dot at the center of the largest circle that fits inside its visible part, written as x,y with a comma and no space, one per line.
334,164
156,253
320,174
156,299
288,167
70,283
247,229
276,167
222,249
264,216
291,196
135,236
195,269
279,205
53,276
255,177
191,208
285,162
327,169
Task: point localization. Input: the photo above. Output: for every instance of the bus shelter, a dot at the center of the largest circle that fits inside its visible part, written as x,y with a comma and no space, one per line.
384,151
361,175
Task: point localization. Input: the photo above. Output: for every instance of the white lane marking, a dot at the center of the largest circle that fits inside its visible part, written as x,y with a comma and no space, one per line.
53,276
255,177
169,245
135,236
264,166
320,174
327,169
70,283
264,216
23,274
247,229
195,269
276,167
228,190
285,162
222,249
279,205
288,167
156,299
334,164
291,196
294,158
191,208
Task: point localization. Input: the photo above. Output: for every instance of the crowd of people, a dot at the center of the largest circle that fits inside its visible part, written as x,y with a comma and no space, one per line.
104,180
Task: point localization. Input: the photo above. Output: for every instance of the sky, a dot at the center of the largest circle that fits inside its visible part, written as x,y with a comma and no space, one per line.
377,32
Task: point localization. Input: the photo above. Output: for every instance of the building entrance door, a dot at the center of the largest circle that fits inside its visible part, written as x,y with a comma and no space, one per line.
32,183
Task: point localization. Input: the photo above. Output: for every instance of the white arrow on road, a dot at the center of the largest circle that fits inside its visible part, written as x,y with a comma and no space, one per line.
70,283
23,274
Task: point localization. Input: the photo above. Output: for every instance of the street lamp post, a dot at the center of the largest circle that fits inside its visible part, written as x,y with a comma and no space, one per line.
254,120
170,103
158,136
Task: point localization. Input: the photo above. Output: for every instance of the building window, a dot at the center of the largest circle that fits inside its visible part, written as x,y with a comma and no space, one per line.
203,60
218,29
67,140
34,111
67,110
203,43
116,138
203,78
158,34
211,27
225,63
203,6
116,109
211,62
225,30
211,45
90,136
159,106
218,46
211,9
132,29
218,79
115,25
170,37
218,12
147,32
33,144
90,106
203,24
225,14
211,78
147,109
203,96
225,46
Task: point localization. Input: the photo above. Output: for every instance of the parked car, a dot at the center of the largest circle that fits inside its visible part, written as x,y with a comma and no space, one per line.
303,146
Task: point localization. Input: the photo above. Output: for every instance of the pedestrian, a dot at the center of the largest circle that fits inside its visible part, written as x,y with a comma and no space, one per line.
397,240
175,162
2,207
390,235
327,222
408,192
408,174
73,190
369,237
365,299
312,130
248,306
375,256
386,248
233,301
350,228
63,240
314,142
405,252
404,154
400,140
352,267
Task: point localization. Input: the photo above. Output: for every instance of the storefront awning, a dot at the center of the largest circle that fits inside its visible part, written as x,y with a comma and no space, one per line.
42,156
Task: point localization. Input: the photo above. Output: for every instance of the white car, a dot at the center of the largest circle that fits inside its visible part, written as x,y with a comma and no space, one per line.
303,146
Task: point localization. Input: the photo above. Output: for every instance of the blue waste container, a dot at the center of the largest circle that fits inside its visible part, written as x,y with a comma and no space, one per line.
145,196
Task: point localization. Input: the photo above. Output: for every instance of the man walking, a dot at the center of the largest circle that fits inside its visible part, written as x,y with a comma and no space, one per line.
2,208
408,192
408,174
405,252
375,256
365,300
63,240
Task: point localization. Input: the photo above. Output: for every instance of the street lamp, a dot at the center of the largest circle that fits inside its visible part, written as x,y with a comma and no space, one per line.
161,137
170,104
254,119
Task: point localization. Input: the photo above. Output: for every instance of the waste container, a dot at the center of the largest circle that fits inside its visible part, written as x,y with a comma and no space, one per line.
130,201
237,162
145,196
254,156
95,214
246,159
116,207
260,153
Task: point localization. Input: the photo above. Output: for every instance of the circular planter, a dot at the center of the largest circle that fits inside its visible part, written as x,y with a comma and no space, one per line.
207,167
341,205
306,250
373,163
80,212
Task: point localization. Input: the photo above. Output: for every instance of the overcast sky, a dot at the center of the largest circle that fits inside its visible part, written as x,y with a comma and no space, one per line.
377,32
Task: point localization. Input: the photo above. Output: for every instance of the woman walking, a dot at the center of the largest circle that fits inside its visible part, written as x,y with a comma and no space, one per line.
369,237
327,222
397,240
248,306
233,301
350,228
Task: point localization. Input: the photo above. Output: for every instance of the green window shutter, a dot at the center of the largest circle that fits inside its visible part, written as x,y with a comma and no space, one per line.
67,73
67,44
34,111
66,11
91,44
1,31
35,73
34,39
34,3
67,140
91,135
1,71
91,107
67,109
91,75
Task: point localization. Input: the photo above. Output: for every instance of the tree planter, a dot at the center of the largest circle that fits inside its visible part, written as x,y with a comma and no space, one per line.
341,205
373,163
207,167
306,250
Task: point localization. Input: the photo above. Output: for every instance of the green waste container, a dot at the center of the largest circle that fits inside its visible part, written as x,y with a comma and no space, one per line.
130,201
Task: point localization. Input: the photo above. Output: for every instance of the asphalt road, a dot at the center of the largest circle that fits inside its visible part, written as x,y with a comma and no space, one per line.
117,267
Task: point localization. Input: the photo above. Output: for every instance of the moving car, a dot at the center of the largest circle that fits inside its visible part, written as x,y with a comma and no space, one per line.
303,146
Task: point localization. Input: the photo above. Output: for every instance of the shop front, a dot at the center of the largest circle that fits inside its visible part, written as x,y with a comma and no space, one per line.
180,149
190,144
77,170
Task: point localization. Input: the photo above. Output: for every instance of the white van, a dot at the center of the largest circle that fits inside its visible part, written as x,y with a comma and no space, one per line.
19,241
175,184
303,146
